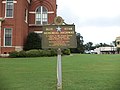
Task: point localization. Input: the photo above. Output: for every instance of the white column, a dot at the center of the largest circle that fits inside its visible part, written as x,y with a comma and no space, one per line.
0,25
1,19
0,36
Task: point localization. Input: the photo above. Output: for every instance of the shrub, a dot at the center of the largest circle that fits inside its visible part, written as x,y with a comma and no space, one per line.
33,41
41,53
47,53
38,53
14,54
66,52
53,52
32,53
22,54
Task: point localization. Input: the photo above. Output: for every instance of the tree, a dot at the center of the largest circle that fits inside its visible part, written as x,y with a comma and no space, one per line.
33,41
88,46
114,43
80,46
102,45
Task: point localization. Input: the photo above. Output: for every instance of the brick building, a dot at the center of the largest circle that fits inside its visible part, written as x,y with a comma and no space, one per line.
19,17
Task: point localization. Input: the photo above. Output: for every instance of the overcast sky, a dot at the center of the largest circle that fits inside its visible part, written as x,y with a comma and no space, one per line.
98,21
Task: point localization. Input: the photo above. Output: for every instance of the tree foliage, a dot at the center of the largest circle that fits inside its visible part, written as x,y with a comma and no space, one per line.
80,46
88,46
114,43
33,41
102,45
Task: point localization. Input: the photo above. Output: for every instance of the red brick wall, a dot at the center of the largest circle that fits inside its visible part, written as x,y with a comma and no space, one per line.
20,27
18,24
0,8
49,4
7,50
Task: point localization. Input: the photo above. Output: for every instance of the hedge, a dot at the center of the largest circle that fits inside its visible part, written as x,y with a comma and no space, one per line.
38,53
66,52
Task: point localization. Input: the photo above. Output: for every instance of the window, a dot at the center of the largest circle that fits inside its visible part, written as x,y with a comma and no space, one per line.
26,15
41,15
8,37
9,8
118,43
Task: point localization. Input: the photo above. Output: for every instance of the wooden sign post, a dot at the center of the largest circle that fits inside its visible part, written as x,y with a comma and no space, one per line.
59,36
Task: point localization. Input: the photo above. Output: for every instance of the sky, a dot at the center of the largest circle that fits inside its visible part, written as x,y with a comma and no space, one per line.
98,21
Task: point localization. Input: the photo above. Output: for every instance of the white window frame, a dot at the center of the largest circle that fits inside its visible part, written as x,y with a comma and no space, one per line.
11,37
26,15
41,23
6,9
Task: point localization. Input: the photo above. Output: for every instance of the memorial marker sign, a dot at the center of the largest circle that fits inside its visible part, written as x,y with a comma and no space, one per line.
59,36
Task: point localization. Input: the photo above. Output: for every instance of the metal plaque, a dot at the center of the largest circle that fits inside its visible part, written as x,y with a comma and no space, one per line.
62,36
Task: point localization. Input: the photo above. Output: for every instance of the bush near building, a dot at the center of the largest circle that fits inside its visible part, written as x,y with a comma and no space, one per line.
66,52
33,41
38,53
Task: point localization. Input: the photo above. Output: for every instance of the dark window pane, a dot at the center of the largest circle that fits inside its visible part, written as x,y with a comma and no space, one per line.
9,9
8,36
41,15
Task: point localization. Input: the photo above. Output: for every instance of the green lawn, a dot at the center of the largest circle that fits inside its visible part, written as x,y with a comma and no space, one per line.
80,72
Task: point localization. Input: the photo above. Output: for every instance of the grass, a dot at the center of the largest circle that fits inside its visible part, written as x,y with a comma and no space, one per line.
80,72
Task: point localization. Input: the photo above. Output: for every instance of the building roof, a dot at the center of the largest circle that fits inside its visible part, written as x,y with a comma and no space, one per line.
106,49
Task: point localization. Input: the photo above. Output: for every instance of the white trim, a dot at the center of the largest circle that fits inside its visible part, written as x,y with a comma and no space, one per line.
38,31
4,38
6,1
50,12
41,7
32,12
14,1
35,25
8,17
18,48
41,15
0,36
26,17
9,46
3,1
1,19
4,55
0,25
